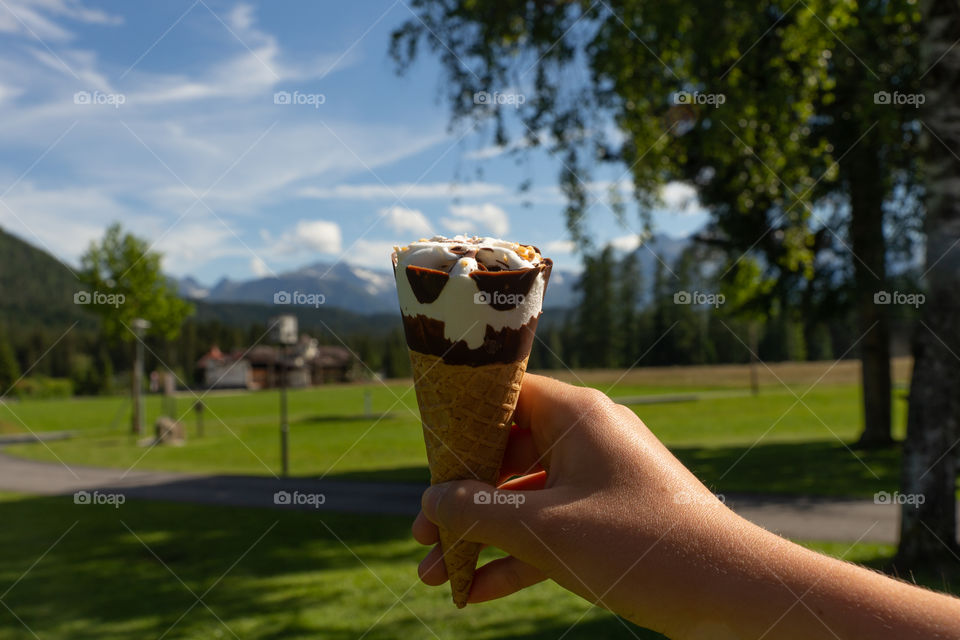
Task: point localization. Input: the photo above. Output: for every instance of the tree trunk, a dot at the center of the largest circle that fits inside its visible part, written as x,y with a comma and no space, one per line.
870,276
928,532
135,385
754,358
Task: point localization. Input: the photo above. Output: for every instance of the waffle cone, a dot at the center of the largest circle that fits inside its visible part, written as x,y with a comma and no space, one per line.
466,413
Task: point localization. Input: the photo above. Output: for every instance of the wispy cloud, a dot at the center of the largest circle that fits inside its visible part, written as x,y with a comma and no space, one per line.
468,218
213,131
404,220
38,18
406,191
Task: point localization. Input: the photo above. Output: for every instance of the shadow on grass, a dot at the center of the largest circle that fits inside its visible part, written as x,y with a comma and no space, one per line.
825,468
416,474
354,417
265,574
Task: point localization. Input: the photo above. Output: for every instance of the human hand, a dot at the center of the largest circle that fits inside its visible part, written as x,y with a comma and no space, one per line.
606,511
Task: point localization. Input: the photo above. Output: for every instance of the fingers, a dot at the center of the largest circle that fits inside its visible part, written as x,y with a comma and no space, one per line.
493,580
549,407
424,531
427,533
502,577
521,456
432,571
475,511
535,401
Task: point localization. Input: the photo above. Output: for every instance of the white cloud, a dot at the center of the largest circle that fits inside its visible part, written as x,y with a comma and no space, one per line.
680,197
8,92
403,220
29,17
405,191
240,18
190,243
469,217
373,254
259,267
262,172
626,243
322,236
63,221
212,122
253,73
544,138
559,246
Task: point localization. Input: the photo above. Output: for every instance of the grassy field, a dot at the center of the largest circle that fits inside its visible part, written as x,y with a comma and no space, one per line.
116,573
141,570
733,441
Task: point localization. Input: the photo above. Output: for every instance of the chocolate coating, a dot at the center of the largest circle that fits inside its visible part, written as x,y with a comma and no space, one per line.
504,286
425,335
426,283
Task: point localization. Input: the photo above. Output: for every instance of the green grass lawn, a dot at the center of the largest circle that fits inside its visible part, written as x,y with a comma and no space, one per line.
310,576
770,442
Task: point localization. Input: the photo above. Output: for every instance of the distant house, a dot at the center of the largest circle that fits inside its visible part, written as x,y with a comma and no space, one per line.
261,367
220,371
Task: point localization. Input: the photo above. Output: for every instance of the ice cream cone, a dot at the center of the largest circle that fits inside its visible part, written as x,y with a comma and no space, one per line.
466,413
470,309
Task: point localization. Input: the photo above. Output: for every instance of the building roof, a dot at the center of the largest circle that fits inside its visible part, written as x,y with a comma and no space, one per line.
325,356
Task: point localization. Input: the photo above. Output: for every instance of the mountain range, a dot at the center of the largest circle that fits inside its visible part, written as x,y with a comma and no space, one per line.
370,291
35,285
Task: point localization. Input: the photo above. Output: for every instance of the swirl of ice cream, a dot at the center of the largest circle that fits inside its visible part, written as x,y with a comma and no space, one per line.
480,289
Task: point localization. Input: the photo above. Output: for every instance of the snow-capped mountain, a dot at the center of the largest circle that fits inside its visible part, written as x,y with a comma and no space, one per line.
345,286
365,290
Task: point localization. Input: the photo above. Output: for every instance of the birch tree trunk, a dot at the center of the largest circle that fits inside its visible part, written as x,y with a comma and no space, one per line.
928,533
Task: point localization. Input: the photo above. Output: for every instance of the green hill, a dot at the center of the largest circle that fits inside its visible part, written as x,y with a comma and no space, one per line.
36,290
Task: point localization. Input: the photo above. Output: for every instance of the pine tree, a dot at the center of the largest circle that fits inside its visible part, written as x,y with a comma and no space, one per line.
595,321
629,288
9,368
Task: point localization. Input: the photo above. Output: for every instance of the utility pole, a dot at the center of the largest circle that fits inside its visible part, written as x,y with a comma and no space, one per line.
283,331
139,328
284,422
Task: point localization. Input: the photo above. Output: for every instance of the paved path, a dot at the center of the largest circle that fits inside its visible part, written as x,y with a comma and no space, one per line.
792,516
45,436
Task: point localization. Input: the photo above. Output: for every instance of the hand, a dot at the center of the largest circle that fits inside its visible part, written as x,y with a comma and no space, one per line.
607,511
610,514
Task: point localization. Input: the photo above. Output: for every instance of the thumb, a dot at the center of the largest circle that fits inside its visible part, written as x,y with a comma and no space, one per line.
478,512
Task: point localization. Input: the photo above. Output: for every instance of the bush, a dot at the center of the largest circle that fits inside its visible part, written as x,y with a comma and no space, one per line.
43,387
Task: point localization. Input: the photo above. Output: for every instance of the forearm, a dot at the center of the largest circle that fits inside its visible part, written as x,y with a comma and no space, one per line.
769,587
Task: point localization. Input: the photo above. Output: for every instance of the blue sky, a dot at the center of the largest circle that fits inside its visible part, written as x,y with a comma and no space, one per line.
163,116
